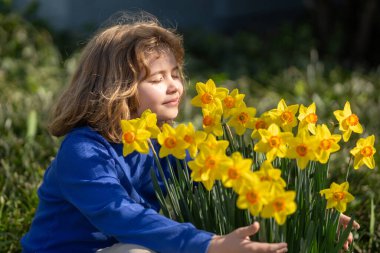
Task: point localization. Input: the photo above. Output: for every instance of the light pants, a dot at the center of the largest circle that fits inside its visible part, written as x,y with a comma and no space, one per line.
125,248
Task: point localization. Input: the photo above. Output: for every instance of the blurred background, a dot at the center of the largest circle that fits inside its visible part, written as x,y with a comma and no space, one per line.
326,51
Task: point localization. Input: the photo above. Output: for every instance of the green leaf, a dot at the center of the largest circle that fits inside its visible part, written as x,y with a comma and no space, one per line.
31,125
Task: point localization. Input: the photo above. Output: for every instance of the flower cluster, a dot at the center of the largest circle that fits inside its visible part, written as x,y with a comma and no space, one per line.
276,137
289,132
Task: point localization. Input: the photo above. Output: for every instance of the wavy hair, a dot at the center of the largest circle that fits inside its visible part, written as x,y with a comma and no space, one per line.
103,89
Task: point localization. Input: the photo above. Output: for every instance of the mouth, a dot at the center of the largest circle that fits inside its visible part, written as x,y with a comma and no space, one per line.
172,102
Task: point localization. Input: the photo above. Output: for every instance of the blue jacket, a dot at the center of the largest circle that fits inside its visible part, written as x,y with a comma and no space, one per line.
92,197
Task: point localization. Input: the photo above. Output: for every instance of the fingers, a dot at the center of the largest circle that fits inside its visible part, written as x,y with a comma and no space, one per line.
247,231
256,227
350,238
279,247
348,242
238,241
344,220
356,225
282,250
345,246
244,232
270,247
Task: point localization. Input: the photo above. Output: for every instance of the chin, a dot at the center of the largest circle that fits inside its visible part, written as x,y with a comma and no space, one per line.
167,118
167,115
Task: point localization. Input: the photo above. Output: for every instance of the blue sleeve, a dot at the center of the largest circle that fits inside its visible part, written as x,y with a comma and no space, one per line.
89,180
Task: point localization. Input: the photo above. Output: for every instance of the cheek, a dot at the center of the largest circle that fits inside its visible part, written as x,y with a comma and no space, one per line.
149,101
180,89
149,93
144,99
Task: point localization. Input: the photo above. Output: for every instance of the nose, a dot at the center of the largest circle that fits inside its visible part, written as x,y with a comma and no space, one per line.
173,85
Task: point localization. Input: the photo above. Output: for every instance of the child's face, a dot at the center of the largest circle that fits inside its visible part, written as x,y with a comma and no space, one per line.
162,89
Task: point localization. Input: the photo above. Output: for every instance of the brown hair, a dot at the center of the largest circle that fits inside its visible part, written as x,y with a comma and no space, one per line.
103,89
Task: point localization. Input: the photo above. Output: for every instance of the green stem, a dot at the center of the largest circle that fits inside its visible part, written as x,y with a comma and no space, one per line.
229,137
164,180
348,168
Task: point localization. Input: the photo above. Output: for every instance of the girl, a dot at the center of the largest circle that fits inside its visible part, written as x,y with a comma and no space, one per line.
93,199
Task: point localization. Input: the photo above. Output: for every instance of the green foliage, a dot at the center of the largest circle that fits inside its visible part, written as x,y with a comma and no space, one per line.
30,76
29,60
5,6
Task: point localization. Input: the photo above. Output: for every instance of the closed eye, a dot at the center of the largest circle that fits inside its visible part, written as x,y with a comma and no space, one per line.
156,79
175,73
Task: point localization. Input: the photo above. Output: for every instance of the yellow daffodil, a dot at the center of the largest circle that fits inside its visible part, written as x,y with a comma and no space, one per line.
231,101
253,195
307,118
348,122
263,122
192,137
212,121
233,176
326,143
363,152
273,142
151,122
268,173
172,142
242,118
337,196
212,143
280,207
301,149
285,116
209,96
135,137
208,165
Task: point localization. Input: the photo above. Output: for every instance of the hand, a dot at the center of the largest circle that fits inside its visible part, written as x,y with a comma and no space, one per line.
343,221
238,242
